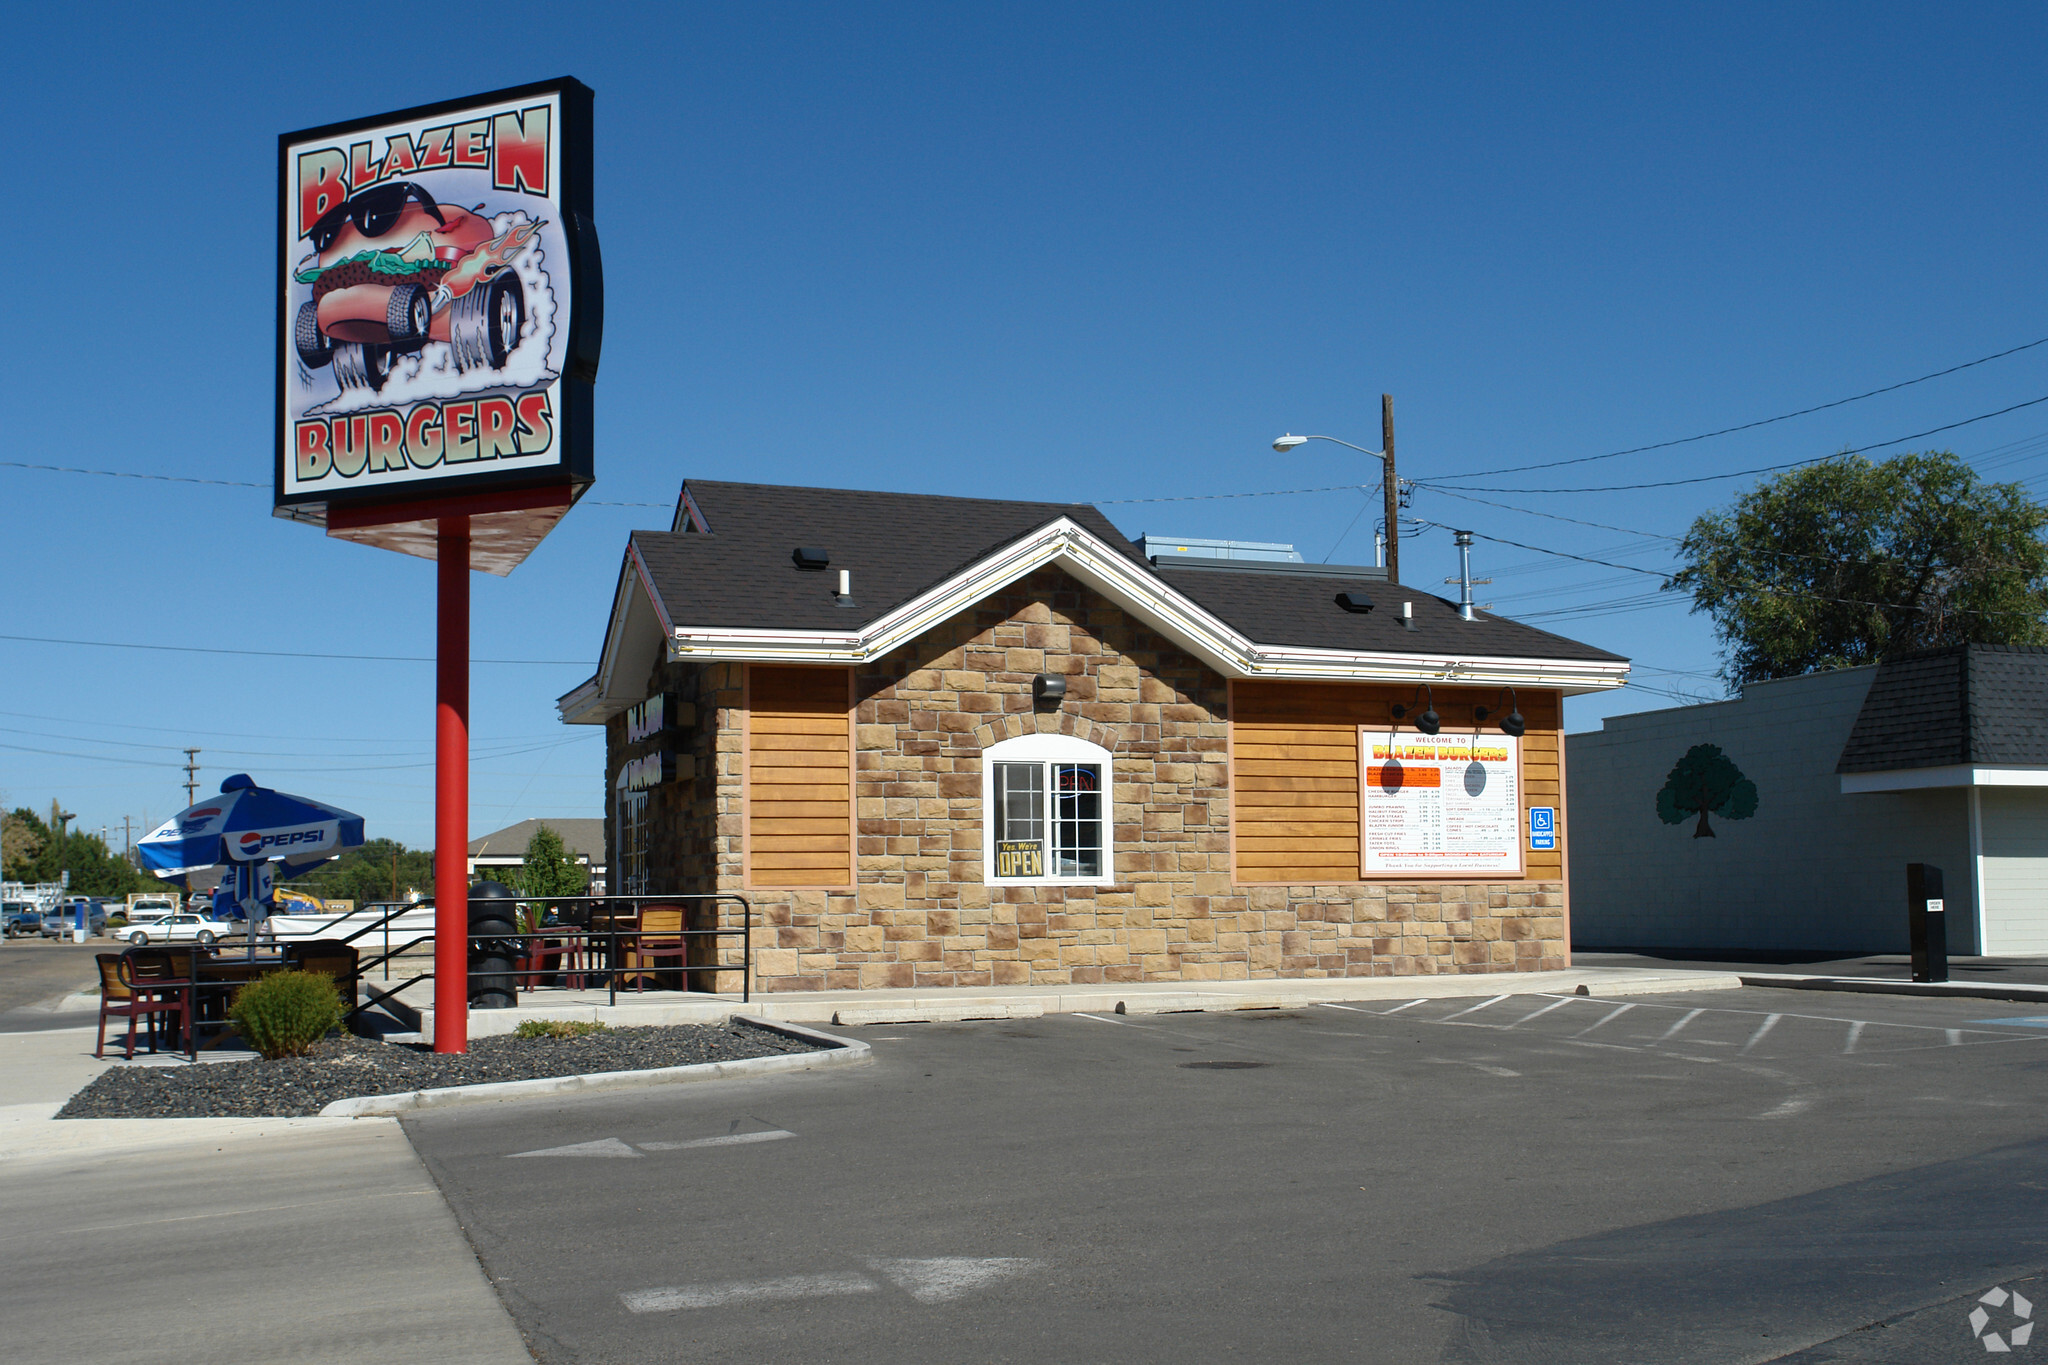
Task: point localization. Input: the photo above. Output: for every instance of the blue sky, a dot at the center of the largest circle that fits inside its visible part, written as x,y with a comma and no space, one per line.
1048,252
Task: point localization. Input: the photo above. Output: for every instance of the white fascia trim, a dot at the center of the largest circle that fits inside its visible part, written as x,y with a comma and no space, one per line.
1156,603
593,702
1953,775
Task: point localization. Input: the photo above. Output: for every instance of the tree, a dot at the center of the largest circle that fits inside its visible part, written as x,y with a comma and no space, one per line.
35,854
548,870
371,872
1848,562
1705,780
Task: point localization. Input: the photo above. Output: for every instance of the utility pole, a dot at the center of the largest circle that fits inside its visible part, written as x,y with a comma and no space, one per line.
191,776
127,835
1393,489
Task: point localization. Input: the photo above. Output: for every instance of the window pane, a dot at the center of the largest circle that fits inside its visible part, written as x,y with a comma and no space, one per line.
1020,801
1077,820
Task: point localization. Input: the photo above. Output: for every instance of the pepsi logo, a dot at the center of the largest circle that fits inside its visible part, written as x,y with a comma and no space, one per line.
251,840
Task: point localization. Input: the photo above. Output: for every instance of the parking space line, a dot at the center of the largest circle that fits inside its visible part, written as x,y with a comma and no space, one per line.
1473,1010
1765,1027
1955,1037
748,1291
1614,1013
1855,1032
1553,1005
1673,1030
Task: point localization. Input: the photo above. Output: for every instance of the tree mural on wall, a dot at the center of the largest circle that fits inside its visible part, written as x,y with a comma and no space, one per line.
1705,780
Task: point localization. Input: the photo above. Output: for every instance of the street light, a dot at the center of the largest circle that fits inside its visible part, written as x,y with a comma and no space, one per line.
1392,485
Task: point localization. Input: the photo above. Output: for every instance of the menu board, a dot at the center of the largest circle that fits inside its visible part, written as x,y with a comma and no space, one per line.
1441,805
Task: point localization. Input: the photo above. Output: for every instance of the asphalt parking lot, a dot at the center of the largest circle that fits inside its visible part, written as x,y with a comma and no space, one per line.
1721,1177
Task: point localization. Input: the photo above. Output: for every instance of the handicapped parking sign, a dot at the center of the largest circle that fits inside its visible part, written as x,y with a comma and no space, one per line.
1542,827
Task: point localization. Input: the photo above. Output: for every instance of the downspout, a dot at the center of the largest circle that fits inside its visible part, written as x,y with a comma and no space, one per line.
1977,868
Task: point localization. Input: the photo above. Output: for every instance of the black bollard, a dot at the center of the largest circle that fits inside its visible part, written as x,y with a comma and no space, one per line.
493,946
1926,922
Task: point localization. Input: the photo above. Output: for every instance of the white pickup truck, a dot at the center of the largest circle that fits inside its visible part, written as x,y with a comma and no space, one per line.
177,929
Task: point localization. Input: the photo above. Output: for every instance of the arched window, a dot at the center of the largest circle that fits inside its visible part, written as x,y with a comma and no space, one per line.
1046,812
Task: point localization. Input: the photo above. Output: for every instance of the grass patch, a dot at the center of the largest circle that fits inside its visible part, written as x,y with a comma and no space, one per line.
559,1028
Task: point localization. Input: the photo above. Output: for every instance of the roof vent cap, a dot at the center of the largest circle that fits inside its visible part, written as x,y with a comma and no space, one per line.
810,556
1354,601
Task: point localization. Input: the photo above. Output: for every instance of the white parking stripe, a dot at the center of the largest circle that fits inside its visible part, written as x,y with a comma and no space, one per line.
1855,1032
748,1291
1690,1016
1761,1029
1553,1005
1614,1013
1473,1010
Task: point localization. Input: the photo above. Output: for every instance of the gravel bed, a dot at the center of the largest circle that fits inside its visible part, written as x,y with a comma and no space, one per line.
342,1067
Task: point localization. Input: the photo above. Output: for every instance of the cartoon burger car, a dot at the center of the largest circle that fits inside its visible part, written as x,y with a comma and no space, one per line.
393,270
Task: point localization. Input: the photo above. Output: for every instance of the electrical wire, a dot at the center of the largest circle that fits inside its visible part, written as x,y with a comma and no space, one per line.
1761,422
1745,473
285,654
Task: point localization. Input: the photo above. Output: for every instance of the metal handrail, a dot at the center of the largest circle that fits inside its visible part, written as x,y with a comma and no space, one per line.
611,905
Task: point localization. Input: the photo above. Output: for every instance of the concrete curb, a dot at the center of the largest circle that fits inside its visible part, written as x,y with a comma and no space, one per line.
1950,990
840,1052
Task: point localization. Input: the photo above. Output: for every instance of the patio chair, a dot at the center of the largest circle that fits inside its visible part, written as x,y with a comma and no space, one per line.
128,991
660,940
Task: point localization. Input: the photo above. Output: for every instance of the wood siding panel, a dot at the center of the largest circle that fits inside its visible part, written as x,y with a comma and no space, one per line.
799,793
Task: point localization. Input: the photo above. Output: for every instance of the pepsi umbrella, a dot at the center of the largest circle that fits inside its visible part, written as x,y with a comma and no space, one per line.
247,824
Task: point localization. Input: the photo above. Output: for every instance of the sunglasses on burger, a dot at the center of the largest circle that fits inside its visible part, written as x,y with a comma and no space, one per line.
374,212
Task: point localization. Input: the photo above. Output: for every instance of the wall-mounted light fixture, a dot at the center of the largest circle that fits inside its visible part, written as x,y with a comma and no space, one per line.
1050,688
1512,723
1429,722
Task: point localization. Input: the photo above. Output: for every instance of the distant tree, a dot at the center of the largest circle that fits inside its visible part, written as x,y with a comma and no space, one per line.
379,870
1705,780
1849,562
548,870
22,836
35,854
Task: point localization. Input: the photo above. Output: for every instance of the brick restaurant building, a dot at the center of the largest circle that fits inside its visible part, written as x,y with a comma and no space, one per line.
962,742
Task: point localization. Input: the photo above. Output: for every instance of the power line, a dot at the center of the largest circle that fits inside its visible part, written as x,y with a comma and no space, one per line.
1744,473
284,654
1747,426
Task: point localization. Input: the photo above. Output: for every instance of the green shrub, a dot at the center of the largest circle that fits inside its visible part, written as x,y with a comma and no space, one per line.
559,1028
285,1013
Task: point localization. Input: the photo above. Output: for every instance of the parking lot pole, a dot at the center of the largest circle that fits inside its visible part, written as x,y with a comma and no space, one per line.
451,789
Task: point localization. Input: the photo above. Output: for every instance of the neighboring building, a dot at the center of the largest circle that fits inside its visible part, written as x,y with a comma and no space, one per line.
506,848
1937,758
951,741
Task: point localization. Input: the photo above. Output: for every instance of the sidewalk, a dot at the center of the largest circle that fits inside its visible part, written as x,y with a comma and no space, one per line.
1978,978
951,1004
234,1241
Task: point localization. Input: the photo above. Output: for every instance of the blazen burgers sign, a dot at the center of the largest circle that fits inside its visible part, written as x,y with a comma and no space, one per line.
439,300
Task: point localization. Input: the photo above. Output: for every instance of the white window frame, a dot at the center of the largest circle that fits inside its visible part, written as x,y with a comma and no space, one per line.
1048,750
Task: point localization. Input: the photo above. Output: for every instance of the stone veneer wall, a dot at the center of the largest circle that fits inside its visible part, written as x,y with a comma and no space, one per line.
921,914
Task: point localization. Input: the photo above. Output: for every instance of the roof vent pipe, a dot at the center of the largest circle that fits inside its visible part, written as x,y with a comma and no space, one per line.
844,596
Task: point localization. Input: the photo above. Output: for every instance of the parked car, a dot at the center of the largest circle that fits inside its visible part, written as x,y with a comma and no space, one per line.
21,919
178,929
59,922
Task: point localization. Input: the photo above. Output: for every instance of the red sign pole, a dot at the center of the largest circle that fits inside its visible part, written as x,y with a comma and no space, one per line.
451,789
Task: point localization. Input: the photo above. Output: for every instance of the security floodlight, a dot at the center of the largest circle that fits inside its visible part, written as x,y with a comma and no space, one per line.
1287,443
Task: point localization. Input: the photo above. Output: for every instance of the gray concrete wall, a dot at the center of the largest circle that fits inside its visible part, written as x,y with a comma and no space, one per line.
1811,870
2015,869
